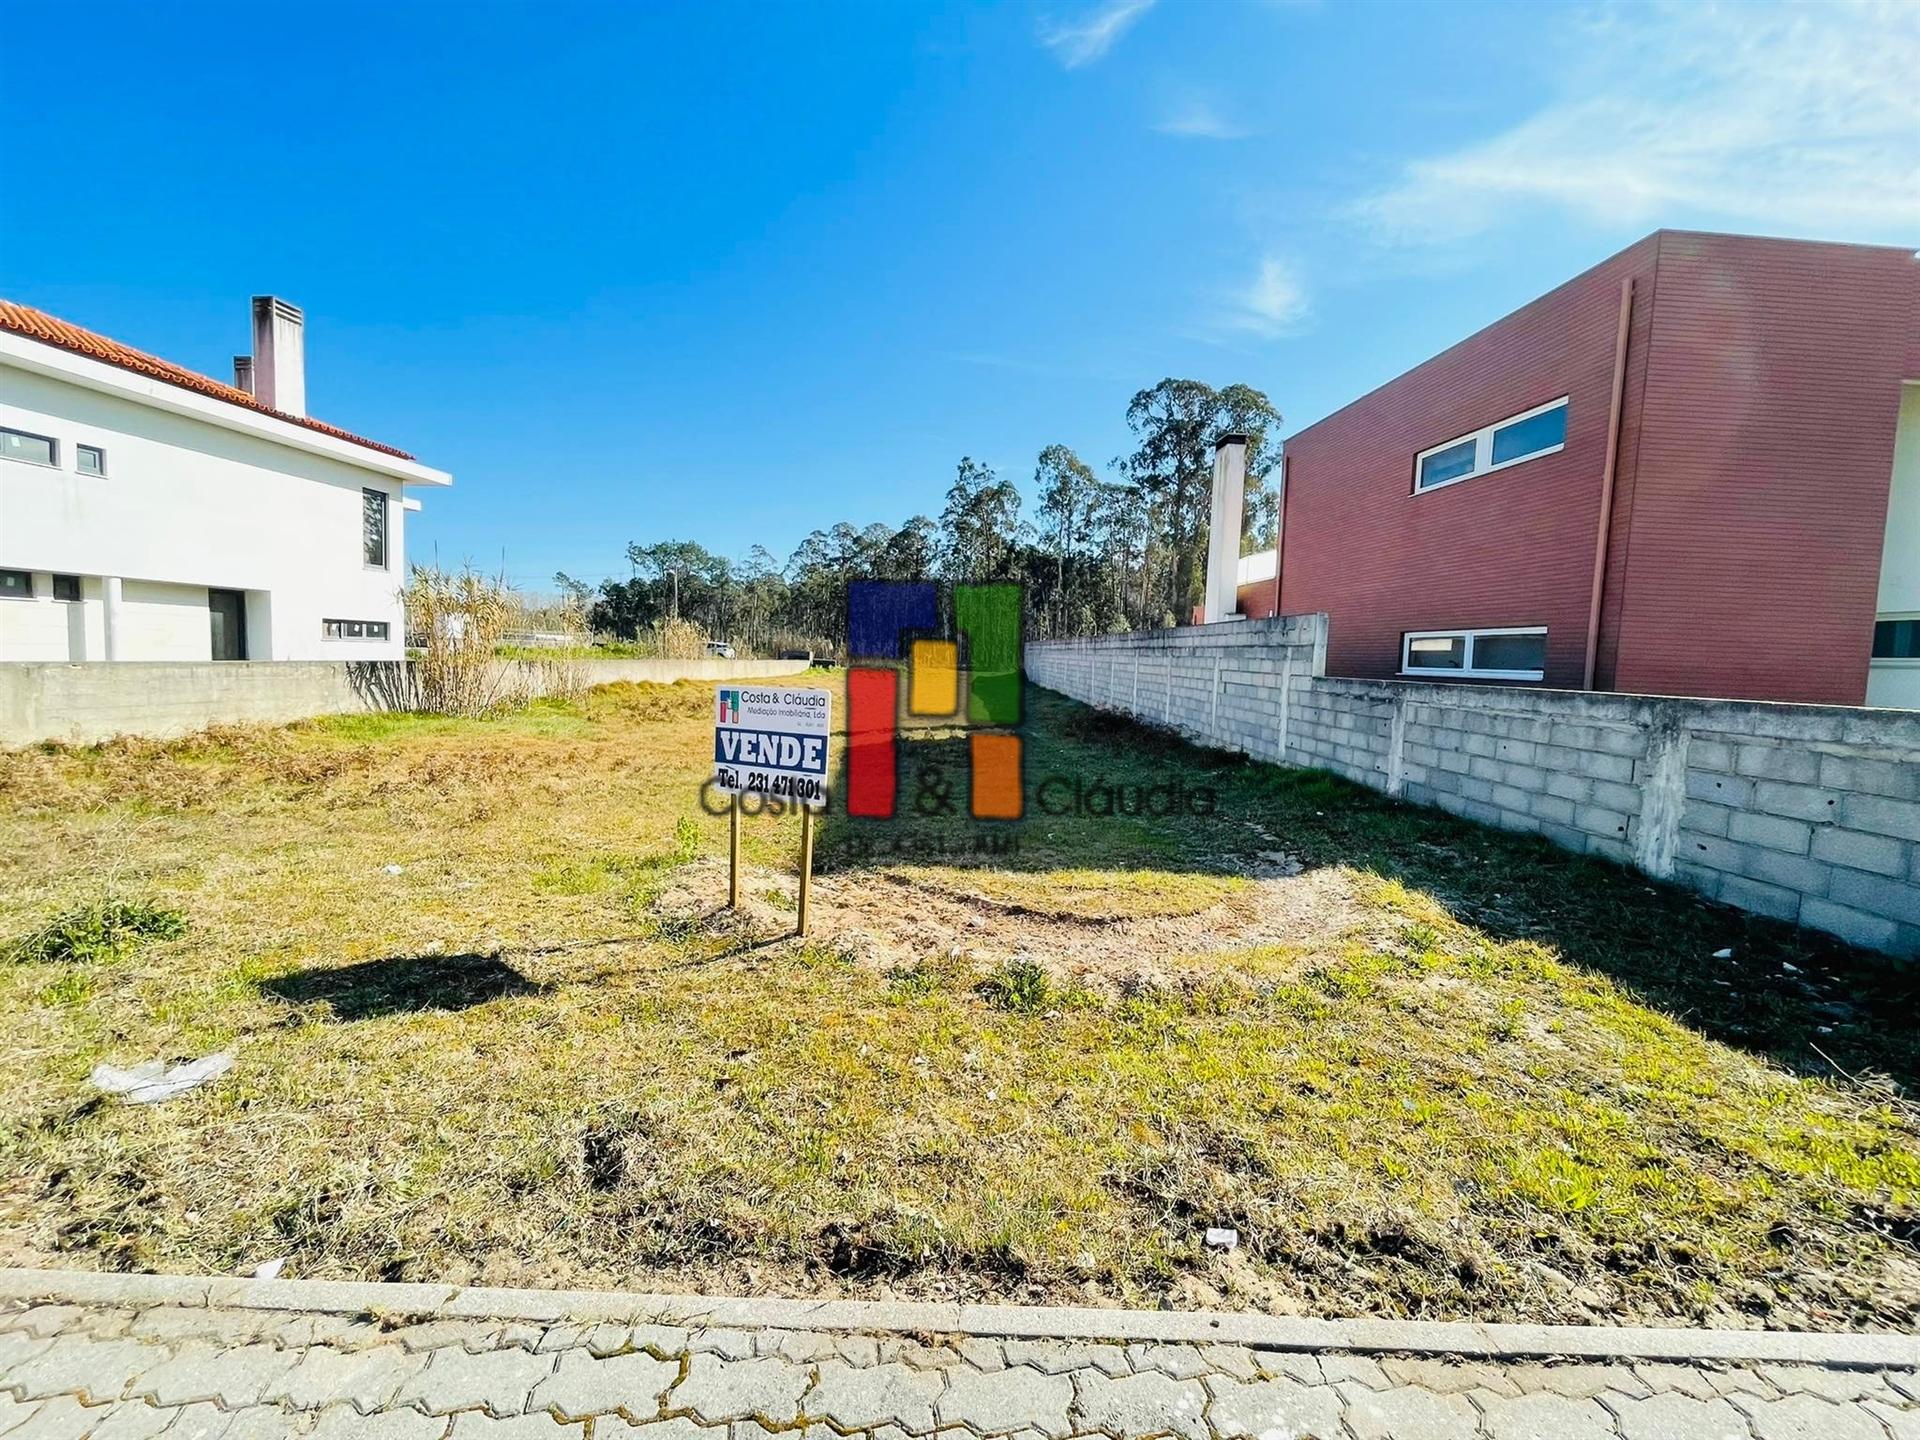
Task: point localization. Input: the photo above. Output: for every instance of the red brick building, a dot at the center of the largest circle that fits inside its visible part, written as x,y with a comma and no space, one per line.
1744,414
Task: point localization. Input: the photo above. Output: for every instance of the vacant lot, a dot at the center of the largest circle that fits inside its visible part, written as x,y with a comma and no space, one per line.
1419,1067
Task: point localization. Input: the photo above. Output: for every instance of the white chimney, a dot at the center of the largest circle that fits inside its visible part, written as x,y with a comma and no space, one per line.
243,373
1223,532
279,355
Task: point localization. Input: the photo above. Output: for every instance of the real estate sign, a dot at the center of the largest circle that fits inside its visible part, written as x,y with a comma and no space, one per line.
772,740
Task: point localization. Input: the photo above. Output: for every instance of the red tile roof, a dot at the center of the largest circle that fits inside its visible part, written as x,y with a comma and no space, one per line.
50,330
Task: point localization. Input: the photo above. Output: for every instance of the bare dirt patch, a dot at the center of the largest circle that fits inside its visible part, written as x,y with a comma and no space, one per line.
902,916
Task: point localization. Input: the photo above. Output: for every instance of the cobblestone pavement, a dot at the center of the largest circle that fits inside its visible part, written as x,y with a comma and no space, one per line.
128,1370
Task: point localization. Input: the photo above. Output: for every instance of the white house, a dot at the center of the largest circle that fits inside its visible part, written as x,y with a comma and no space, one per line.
151,513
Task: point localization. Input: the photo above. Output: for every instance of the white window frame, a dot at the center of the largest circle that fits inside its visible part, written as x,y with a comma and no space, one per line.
1483,449
1467,669
1894,662
100,450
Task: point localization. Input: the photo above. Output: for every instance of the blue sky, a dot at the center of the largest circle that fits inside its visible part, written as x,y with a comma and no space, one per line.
731,272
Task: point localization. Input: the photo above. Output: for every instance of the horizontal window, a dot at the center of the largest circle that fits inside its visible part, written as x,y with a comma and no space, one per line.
89,459
34,449
1526,436
16,585
1511,653
1897,639
354,629
66,587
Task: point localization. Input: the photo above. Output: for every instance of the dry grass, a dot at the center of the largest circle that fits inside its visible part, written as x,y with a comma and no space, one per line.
1438,1071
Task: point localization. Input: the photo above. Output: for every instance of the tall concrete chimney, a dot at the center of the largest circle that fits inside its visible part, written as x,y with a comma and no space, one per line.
279,355
1223,527
243,373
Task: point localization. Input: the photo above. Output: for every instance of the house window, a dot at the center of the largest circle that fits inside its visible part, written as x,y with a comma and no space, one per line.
1897,639
373,527
34,449
89,459
1526,436
1511,653
16,585
353,629
66,587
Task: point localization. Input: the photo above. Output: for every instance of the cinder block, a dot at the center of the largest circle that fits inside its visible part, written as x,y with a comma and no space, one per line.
1514,800
1796,872
1629,743
1704,819
1600,766
1552,809
1568,786
1527,777
1694,877
1801,802
1781,761
1615,796
1718,788
1615,850
1762,899
1894,899
1882,815
1881,854
1598,820
1791,836
1710,755
1872,931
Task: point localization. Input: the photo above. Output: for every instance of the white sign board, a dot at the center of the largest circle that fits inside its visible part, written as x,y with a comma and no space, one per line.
772,740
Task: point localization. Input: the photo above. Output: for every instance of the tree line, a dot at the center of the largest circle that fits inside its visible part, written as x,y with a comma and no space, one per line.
1098,554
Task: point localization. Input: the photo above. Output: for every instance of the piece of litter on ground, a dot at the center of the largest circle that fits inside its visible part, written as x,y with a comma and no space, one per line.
153,1080
1788,968
1823,1029
1726,954
392,869
271,1269
1221,1238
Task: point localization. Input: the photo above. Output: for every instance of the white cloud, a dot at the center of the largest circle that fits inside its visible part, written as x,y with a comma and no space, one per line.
1197,120
1273,304
1794,117
1082,42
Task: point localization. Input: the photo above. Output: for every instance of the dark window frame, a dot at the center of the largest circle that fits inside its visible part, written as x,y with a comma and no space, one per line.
23,594
359,630
374,502
53,448
68,582
80,451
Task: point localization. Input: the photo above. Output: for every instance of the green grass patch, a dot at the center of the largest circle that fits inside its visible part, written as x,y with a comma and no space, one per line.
1511,1084
96,932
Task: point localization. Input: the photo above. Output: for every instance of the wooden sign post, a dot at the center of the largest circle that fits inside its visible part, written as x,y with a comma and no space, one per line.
771,741
733,855
806,863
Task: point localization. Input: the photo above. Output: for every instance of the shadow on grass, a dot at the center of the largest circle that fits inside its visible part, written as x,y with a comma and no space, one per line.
404,984
1799,997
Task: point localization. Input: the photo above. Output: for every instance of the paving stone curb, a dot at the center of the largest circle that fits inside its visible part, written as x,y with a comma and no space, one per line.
1409,1337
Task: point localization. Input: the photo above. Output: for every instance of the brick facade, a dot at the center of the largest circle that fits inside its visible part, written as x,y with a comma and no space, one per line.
1761,393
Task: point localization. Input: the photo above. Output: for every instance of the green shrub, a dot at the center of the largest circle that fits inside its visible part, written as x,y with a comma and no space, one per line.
1020,986
98,931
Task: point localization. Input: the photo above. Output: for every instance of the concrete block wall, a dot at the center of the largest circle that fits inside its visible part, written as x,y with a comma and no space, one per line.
1806,813
87,702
